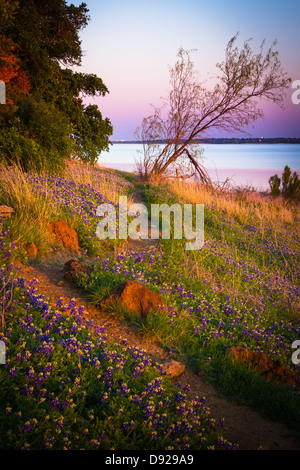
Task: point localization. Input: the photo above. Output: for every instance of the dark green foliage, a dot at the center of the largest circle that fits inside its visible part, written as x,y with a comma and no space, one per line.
274,183
50,122
290,185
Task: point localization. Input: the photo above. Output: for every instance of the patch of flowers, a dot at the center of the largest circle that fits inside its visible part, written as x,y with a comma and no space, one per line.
64,385
238,299
201,312
79,200
73,199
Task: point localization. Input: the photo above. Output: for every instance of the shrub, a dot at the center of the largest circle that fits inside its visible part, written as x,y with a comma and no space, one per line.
274,183
290,185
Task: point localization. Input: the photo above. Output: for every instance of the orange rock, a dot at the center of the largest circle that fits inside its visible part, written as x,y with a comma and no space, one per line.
73,268
31,250
134,297
6,211
173,368
265,365
64,235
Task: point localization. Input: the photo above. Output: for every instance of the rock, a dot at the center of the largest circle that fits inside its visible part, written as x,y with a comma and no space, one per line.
64,235
6,211
271,369
200,373
31,250
135,297
73,268
27,268
172,368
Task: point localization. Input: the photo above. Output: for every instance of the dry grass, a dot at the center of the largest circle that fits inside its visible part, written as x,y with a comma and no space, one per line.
31,209
17,192
244,205
276,224
101,179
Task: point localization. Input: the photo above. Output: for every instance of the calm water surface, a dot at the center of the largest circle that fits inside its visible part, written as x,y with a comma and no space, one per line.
244,164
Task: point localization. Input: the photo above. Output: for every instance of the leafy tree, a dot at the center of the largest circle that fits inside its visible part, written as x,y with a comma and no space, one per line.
17,82
11,73
41,42
191,111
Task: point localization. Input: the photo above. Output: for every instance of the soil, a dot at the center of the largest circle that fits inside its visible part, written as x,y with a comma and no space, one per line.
243,425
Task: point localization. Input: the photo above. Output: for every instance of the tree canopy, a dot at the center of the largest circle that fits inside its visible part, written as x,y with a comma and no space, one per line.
45,120
191,110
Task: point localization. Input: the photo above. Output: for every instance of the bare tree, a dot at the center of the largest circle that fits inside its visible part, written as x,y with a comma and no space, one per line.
171,135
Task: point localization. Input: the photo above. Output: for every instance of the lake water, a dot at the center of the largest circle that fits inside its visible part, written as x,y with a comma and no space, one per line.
245,164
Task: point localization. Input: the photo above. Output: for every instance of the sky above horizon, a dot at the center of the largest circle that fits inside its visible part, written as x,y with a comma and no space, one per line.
131,44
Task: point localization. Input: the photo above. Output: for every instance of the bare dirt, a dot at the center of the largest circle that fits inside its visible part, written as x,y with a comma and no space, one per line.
243,425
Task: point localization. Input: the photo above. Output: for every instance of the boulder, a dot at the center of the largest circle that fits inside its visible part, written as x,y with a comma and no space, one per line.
31,250
268,367
135,297
172,368
6,211
64,235
73,268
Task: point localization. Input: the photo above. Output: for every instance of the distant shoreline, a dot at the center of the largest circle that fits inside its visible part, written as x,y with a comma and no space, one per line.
262,140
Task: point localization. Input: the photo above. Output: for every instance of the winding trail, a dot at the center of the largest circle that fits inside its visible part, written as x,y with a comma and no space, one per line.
243,425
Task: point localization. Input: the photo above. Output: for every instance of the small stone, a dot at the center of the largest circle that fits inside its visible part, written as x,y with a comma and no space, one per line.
31,250
73,268
173,368
200,373
28,268
6,211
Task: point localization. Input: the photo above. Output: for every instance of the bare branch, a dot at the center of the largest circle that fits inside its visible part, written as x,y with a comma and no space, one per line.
191,111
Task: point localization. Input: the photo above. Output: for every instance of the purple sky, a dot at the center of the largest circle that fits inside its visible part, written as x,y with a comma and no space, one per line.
131,43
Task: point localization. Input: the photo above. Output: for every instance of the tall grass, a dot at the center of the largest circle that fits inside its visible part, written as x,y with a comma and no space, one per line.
31,209
101,179
72,196
17,192
245,204
251,227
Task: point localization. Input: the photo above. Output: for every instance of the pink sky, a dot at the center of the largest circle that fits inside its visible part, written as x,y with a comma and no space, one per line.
130,45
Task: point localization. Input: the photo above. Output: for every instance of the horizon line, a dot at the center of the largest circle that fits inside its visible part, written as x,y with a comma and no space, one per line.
215,139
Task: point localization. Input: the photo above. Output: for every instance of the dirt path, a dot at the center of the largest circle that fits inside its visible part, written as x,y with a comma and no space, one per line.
242,424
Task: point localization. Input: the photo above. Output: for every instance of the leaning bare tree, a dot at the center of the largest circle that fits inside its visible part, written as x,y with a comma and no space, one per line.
170,136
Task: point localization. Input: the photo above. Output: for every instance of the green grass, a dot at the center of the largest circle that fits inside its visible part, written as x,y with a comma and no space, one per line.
240,289
66,386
